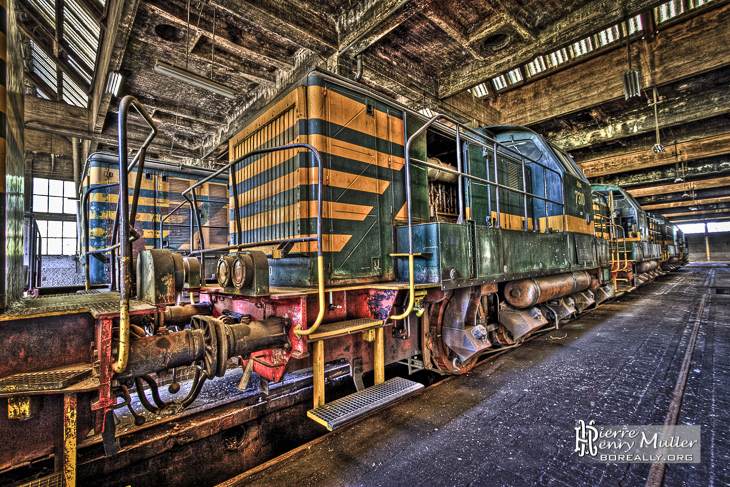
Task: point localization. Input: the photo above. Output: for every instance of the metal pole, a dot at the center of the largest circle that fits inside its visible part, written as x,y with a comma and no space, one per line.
459,180
707,243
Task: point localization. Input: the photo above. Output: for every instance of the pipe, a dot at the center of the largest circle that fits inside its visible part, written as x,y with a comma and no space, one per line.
440,175
181,315
163,352
125,283
459,180
529,292
76,155
358,75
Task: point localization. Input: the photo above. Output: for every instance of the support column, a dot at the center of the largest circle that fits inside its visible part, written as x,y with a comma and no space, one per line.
318,372
69,440
707,243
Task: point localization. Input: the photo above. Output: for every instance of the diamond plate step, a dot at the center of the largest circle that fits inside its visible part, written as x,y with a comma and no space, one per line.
349,408
43,381
329,330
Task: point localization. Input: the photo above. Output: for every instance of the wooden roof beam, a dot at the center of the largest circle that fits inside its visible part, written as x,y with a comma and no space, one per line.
584,20
698,212
634,161
120,18
680,51
680,187
302,25
69,121
361,28
436,15
260,51
690,107
700,168
686,203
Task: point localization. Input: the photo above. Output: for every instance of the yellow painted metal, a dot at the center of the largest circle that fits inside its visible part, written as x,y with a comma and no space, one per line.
320,290
318,419
69,440
318,373
369,335
411,291
379,356
22,407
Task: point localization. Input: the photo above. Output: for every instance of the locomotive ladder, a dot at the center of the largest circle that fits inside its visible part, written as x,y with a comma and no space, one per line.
342,411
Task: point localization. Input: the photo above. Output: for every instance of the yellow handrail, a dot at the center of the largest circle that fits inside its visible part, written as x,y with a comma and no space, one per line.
411,289
320,291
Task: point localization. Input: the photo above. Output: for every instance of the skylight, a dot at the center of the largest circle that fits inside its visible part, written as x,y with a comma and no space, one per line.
480,90
499,82
668,10
558,57
536,66
64,68
582,47
515,76
609,35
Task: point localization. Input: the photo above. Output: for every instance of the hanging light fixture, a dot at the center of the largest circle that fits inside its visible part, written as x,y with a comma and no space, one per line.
658,147
631,79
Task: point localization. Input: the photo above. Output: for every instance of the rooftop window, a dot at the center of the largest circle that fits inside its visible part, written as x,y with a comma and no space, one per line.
536,66
499,82
668,10
515,76
582,47
558,57
609,35
480,90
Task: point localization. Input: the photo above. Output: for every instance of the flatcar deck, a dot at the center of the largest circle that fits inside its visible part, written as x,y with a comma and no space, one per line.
511,421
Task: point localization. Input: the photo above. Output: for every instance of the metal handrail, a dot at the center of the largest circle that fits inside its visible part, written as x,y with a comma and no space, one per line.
461,174
85,216
189,195
169,214
125,283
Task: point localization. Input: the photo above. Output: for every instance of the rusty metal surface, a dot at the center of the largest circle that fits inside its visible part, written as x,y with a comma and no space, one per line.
44,343
97,304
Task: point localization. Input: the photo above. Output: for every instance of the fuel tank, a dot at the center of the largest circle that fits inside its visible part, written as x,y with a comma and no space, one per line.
529,292
647,266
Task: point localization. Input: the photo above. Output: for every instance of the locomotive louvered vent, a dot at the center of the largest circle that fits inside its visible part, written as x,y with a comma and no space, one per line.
268,185
514,172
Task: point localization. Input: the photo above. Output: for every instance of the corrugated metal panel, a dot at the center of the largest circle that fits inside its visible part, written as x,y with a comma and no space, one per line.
268,196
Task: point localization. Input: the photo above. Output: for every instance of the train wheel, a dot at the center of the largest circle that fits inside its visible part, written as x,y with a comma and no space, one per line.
441,355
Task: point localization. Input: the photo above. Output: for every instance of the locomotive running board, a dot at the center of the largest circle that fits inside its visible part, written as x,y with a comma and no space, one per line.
349,408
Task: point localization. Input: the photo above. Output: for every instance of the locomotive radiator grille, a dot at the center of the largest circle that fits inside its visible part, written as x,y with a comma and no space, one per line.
347,409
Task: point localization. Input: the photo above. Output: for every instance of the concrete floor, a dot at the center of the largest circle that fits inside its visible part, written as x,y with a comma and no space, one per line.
510,421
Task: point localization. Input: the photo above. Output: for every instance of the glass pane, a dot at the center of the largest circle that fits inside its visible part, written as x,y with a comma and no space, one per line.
69,189
55,204
55,246
69,229
40,203
69,206
40,186
43,227
69,246
44,246
55,229
55,187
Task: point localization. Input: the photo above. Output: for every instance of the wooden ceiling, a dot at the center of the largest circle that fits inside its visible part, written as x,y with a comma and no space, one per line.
428,53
